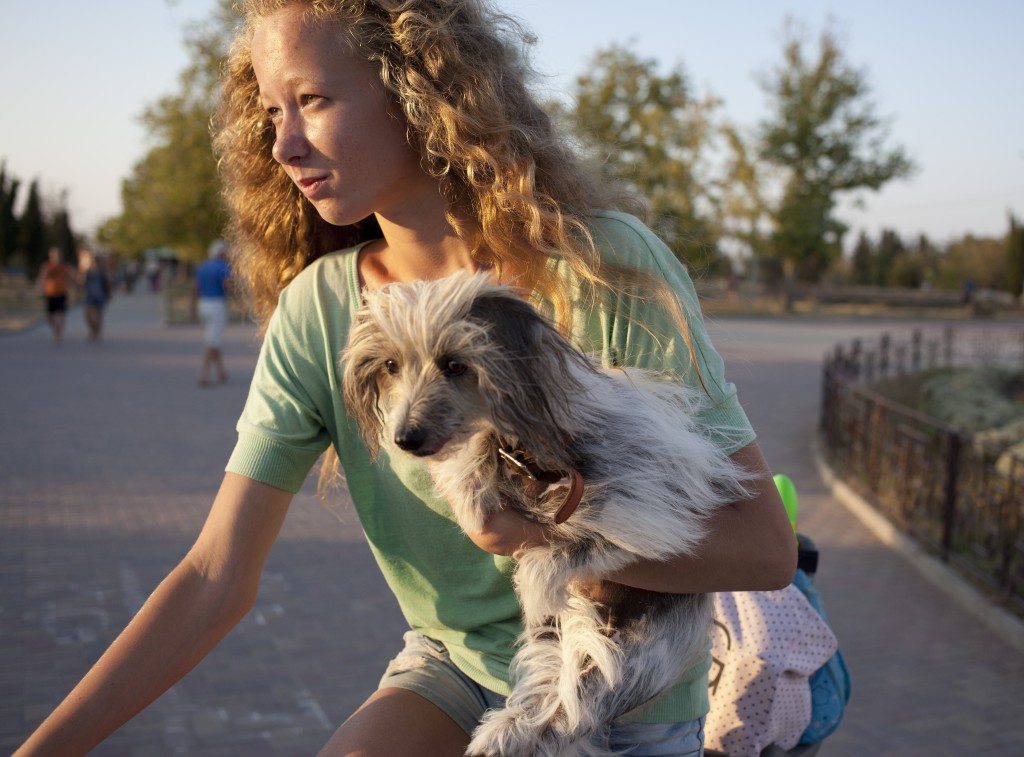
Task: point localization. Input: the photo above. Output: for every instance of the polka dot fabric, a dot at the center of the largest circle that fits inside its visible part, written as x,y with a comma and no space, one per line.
766,644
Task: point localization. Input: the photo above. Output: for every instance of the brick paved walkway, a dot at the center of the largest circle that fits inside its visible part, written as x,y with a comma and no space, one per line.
928,679
109,457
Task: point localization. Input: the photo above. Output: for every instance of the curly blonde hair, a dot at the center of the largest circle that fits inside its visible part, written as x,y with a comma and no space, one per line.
456,71
452,68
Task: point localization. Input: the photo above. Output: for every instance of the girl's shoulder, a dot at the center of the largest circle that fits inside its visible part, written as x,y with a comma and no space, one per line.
618,222
624,240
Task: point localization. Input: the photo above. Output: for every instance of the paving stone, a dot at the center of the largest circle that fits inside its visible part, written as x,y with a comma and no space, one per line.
110,456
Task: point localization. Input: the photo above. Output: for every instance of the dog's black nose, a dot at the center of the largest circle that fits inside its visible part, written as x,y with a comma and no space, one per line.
410,439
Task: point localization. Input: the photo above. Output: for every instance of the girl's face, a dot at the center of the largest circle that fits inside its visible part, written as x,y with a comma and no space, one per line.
336,137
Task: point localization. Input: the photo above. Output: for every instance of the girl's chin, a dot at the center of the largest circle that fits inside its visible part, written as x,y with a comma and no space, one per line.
336,216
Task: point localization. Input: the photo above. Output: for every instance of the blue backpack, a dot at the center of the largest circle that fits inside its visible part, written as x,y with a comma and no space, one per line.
830,684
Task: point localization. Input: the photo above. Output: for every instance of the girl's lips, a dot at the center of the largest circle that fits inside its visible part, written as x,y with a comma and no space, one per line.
310,186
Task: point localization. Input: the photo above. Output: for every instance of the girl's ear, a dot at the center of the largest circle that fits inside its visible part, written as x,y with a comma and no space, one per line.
361,362
530,376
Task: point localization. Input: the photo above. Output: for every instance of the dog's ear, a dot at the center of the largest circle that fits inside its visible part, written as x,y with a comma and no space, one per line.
360,380
531,381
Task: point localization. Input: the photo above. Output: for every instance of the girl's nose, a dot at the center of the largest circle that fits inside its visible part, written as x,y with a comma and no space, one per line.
290,144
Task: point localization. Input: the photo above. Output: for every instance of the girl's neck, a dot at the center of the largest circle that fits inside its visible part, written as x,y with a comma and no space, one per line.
408,253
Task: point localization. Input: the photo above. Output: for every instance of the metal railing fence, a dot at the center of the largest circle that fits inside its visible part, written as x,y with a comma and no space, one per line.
958,494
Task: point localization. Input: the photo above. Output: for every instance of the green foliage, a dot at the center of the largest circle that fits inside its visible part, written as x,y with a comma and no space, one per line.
981,259
888,254
26,239
863,261
742,207
1015,257
974,399
172,197
32,236
646,132
8,221
913,267
807,239
826,138
986,261
62,235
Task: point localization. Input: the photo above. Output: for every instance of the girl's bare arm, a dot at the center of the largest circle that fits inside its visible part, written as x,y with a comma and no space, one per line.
751,545
202,599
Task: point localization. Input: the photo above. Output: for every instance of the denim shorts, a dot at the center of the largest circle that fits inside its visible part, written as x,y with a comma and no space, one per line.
424,667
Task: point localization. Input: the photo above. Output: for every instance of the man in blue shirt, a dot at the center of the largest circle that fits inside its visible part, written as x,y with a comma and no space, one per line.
213,284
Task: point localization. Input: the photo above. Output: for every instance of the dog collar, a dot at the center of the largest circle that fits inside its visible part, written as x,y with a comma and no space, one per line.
523,463
572,497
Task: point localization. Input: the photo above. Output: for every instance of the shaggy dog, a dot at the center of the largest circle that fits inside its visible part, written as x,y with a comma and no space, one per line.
508,414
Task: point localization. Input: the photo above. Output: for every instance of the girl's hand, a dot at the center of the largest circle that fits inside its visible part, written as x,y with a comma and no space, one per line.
506,532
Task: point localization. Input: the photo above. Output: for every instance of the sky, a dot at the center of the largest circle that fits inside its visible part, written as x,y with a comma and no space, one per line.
946,75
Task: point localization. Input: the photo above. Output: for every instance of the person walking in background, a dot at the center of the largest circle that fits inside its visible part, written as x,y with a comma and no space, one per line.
153,274
96,284
212,288
54,276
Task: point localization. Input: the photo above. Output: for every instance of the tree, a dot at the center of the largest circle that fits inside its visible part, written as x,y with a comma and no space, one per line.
742,208
32,231
889,251
911,269
826,138
978,259
1015,257
62,235
646,132
863,262
172,198
926,258
8,221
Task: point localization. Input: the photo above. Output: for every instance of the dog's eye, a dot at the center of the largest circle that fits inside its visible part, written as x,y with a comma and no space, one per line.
391,366
453,367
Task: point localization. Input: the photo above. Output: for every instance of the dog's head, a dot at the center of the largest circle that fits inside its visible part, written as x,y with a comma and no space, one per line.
430,363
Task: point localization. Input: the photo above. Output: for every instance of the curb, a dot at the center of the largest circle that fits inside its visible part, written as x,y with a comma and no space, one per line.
1004,624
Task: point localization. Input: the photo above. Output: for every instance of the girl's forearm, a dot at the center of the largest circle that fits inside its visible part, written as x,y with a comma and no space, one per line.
751,546
732,559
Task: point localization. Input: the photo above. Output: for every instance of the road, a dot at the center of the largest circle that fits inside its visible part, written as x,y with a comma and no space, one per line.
110,455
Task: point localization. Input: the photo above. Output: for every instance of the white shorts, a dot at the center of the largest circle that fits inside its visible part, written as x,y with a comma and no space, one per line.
213,312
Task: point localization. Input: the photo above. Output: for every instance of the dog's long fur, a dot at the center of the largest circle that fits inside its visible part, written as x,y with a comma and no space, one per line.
445,368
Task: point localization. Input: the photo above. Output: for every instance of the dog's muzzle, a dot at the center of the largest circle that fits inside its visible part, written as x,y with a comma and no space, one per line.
410,439
413,439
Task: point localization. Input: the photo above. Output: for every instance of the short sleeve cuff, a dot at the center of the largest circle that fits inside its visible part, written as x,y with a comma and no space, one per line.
271,462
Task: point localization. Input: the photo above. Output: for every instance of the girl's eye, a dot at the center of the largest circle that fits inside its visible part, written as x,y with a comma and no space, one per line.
453,367
307,99
391,366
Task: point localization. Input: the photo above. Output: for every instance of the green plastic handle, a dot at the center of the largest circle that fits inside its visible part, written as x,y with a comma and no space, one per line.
787,490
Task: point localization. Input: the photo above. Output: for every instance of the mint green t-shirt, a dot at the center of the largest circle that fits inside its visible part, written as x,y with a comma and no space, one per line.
448,588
